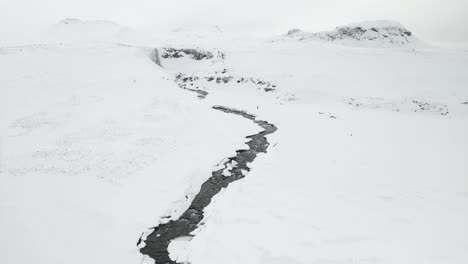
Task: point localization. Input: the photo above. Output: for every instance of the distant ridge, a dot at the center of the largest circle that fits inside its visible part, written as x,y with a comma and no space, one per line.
369,33
75,29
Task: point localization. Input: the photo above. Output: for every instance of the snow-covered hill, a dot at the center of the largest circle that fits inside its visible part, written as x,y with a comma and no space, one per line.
370,33
78,30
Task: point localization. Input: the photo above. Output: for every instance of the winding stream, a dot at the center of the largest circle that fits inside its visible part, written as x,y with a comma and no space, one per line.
156,244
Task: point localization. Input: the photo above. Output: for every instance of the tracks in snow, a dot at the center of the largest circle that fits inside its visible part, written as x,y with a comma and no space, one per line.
156,243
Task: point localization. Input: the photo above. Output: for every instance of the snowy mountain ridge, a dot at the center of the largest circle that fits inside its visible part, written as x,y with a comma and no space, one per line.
81,30
78,21
368,33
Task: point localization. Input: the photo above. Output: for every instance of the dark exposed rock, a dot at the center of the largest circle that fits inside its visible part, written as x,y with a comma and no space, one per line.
196,54
426,106
294,31
201,94
349,32
183,81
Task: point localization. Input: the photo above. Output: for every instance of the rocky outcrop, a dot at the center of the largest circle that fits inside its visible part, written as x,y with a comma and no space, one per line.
194,53
378,33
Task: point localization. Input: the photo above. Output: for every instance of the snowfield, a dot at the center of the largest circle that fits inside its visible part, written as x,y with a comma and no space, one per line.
369,164
99,144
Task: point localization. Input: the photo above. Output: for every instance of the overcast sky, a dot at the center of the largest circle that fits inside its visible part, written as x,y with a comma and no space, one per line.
433,20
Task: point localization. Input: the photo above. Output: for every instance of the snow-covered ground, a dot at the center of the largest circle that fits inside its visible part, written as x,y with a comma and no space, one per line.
97,145
369,163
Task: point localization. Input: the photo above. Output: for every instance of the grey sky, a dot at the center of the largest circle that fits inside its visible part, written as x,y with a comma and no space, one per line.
434,20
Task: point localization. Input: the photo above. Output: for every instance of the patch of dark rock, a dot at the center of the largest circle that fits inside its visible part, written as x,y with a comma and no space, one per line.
200,93
294,31
426,106
224,71
350,32
225,79
196,54
330,115
352,102
184,81
156,243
